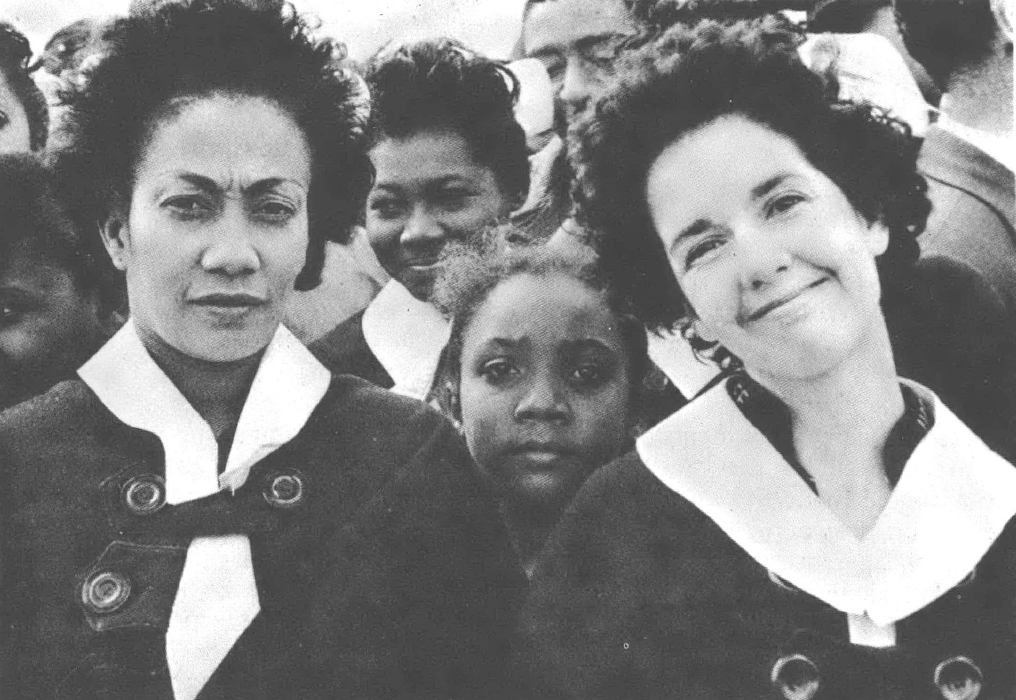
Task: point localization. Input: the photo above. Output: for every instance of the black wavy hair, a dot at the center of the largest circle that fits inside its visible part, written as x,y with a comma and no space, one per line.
471,270
219,47
34,215
15,55
945,36
691,76
441,84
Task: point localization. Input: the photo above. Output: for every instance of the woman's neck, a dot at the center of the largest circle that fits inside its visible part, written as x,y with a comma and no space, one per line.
841,422
216,390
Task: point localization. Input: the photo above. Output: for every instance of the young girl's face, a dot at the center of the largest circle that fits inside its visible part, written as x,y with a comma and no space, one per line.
544,387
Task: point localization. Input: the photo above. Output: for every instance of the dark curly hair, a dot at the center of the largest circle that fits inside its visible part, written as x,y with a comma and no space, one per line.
691,76
15,55
471,270
440,84
208,47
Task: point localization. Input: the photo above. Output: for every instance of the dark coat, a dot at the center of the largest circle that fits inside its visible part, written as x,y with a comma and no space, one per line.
344,350
640,595
389,576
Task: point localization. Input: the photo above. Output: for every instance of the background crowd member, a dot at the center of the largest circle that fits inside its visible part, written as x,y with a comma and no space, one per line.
798,530
24,115
967,155
208,513
449,159
546,369
53,313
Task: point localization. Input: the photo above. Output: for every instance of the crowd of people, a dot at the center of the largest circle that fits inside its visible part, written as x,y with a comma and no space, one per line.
675,358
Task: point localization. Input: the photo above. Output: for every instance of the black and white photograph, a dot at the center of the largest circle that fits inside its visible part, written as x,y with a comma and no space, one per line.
507,350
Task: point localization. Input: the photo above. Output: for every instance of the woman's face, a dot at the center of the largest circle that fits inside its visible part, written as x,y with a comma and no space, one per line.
429,191
774,261
544,387
14,133
216,231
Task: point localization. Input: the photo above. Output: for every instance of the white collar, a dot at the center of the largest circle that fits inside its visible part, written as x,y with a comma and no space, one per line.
407,336
997,146
953,500
673,355
287,388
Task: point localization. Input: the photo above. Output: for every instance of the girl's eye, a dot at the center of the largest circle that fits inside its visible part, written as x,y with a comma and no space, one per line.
783,203
497,370
189,207
702,250
588,374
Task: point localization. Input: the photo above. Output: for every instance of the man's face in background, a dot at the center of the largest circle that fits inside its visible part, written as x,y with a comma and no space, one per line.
576,40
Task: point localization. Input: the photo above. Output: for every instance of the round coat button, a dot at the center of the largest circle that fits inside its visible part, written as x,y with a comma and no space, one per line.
105,592
145,494
958,678
796,677
284,489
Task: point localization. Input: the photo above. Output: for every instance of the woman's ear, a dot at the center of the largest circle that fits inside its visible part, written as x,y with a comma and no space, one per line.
115,234
878,238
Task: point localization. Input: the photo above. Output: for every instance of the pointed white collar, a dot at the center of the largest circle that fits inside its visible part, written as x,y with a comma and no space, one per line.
952,501
407,336
287,388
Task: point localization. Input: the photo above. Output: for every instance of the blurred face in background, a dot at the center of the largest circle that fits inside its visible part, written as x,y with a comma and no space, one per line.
576,40
48,326
429,191
14,133
216,231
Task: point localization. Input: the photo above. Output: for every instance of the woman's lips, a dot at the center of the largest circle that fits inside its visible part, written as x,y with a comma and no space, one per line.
229,300
780,301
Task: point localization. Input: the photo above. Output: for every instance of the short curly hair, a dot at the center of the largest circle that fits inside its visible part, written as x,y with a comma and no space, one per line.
689,77
471,270
15,56
204,48
441,84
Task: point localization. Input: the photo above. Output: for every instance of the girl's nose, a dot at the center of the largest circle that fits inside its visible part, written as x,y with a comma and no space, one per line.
421,228
543,401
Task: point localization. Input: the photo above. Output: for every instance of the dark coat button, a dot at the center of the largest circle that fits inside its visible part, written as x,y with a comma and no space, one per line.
284,489
105,592
958,678
796,677
144,495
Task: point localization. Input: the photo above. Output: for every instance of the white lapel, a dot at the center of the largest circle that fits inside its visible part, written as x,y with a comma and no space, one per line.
407,337
953,500
217,596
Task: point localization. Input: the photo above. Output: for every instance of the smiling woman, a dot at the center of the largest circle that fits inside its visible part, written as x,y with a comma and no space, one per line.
207,512
814,526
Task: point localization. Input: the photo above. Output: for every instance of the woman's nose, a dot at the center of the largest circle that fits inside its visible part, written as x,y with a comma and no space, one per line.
421,228
231,250
543,400
761,258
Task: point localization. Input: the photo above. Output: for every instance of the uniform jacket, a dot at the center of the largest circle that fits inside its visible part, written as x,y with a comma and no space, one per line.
973,217
381,567
702,566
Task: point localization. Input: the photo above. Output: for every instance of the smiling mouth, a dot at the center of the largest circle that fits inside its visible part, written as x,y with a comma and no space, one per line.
771,306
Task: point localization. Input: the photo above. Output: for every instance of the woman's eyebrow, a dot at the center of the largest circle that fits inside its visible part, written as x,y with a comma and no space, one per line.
695,228
769,185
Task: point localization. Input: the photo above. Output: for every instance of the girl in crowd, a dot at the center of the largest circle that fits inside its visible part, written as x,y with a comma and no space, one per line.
24,115
207,512
814,526
449,159
53,313
546,372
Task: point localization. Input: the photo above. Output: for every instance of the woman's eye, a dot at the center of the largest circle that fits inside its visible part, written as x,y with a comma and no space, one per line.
495,371
275,210
454,200
189,207
783,203
703,250
386,208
